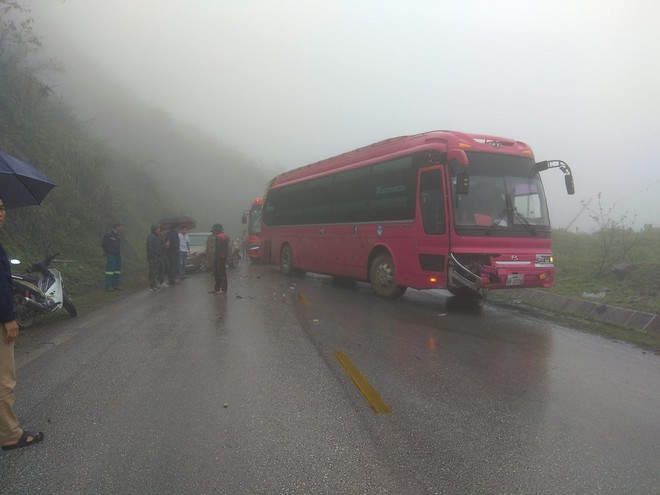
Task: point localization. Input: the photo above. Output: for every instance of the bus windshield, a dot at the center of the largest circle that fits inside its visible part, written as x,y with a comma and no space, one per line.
505,194
254,226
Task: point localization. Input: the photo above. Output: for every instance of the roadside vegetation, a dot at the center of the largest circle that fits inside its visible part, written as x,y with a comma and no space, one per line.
131,164
616,264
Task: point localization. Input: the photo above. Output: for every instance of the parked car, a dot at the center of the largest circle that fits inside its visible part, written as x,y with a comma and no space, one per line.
197,258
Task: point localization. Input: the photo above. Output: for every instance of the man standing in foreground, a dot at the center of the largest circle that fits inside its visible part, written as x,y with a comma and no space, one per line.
11,435
218,256
112,249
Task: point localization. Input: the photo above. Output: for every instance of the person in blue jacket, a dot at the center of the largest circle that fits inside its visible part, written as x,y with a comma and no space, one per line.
112,249
12,436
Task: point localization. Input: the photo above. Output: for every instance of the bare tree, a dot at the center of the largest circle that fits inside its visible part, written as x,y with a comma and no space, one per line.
616,236
17,39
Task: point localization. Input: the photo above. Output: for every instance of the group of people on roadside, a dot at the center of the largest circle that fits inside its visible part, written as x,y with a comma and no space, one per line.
167,255
168,252
164,249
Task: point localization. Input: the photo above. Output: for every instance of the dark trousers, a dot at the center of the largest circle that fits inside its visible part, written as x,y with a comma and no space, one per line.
220,273
154,264
113,271
172,263
162,268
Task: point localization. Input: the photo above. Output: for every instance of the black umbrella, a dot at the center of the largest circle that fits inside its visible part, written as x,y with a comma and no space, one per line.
21,184
179,222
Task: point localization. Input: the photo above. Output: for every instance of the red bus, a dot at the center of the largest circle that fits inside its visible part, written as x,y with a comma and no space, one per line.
252,218
442,209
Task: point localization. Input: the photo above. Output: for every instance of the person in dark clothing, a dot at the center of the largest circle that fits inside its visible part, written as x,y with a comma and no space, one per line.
172,247
12,436
218,252
162,258
153,257
112,248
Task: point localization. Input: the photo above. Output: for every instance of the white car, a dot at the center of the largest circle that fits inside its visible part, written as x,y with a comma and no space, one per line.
197,258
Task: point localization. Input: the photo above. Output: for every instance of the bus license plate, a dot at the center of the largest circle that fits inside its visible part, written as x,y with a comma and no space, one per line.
515,279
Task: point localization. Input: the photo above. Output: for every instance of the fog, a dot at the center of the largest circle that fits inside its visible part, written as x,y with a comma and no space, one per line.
290,82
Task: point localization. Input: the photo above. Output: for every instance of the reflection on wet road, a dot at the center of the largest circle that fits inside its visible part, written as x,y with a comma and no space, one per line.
184,392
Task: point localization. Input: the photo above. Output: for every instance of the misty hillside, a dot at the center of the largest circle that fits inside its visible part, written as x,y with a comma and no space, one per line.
113,157
204,178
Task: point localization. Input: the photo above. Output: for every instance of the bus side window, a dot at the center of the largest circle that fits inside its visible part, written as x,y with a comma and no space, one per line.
431,203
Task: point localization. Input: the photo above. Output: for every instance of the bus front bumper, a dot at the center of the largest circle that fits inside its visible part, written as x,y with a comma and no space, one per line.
516,276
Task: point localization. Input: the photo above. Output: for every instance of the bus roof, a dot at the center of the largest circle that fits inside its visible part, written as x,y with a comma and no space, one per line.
443,140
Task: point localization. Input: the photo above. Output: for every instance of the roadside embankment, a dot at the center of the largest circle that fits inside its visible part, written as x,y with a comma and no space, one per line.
638,320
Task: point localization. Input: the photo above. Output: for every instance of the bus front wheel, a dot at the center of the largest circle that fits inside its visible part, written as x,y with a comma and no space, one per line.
382,277
465,293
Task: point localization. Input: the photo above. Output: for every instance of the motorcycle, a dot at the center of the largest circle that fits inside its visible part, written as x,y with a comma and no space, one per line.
39,291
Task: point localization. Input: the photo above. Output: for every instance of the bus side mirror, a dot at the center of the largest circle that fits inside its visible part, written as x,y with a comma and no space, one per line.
561,165
541,166
462,178
570,185
244,219
457,155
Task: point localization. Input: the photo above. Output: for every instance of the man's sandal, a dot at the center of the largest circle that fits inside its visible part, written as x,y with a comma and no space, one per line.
24,441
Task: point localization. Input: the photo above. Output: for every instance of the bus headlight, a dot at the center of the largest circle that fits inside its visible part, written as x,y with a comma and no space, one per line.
545,258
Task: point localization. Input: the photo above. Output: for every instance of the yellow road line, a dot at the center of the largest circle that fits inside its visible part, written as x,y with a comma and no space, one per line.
361,383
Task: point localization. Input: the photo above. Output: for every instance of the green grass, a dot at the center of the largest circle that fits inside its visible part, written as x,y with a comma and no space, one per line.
578,256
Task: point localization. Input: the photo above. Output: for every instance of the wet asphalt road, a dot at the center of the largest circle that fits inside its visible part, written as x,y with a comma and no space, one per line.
181,392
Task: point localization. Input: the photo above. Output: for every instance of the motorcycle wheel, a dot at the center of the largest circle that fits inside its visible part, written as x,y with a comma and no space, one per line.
68,305
24,317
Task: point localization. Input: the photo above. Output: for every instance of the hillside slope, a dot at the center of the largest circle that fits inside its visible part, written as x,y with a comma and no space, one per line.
113,157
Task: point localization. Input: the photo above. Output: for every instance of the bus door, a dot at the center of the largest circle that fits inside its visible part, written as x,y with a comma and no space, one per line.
432,232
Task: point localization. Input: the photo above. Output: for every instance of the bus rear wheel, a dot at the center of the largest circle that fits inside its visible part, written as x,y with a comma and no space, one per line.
382,277
286,260
286,263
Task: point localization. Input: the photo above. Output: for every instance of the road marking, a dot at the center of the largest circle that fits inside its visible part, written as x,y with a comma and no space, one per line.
361,383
